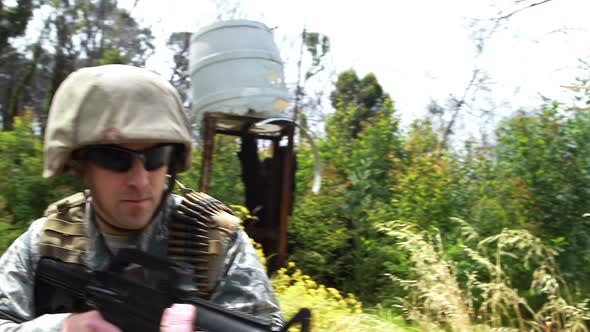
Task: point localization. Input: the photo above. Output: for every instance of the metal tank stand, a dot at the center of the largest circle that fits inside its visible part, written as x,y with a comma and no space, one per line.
270,230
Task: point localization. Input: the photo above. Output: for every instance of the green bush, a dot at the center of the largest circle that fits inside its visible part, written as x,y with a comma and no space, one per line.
24,193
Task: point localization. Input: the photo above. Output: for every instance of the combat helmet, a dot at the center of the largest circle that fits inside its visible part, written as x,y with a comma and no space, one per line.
113,104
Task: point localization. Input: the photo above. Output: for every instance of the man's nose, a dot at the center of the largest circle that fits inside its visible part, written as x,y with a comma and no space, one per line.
137,174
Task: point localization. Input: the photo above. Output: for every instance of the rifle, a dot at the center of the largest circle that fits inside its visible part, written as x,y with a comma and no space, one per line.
134,305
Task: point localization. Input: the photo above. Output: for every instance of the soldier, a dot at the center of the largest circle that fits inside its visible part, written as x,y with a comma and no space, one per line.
123,131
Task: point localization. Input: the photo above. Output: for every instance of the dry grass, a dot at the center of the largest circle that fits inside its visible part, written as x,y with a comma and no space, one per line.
437,300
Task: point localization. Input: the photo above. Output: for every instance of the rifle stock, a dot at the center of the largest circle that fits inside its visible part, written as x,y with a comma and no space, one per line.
133,305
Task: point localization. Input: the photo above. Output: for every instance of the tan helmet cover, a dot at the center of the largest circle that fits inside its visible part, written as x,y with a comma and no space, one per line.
113,104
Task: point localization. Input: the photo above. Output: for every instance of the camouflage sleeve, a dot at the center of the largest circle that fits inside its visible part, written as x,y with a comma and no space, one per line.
17,266
245,286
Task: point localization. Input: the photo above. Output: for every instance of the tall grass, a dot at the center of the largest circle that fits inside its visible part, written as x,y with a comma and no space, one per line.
435,297
486,299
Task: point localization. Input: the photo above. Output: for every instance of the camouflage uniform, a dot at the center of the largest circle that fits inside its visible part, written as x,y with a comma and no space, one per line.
244,285
121,104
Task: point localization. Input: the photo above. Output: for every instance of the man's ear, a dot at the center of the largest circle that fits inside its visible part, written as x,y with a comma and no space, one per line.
75,163
76,167
80,170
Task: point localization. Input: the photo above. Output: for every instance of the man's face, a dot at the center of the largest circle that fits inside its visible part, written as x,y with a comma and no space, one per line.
126,199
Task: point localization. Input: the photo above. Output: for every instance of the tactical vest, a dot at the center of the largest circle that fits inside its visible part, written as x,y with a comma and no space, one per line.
200,229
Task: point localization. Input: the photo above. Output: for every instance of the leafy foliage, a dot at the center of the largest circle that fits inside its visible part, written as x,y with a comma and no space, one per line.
548,153
226,182
356,102
24,194
423,189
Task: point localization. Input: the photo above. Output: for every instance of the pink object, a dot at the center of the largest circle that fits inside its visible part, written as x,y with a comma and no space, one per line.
179,318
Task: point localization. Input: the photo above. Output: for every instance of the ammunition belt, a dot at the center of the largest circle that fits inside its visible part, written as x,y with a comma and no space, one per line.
199,233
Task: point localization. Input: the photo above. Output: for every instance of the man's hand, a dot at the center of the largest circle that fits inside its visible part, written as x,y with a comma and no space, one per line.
179,318
90,321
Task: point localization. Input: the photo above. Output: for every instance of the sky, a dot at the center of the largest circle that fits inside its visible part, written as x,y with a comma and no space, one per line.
419,50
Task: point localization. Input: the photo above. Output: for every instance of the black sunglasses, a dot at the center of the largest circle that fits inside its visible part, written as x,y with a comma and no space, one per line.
118,159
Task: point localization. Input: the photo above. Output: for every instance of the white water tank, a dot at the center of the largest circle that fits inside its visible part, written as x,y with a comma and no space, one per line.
236,69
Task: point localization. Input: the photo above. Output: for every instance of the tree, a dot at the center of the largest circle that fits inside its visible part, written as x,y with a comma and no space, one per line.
20,86
548,151
8,79
358,157
179,43
77,33
355,102
469,101
317,45
424,185
95,32
14,21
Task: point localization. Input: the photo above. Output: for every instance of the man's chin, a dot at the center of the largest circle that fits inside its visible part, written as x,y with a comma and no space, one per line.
134,219
135,224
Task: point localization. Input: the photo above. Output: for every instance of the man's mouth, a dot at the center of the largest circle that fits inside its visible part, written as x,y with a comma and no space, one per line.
135,201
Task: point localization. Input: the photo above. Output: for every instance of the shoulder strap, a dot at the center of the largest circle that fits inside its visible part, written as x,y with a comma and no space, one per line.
200,232
64,235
